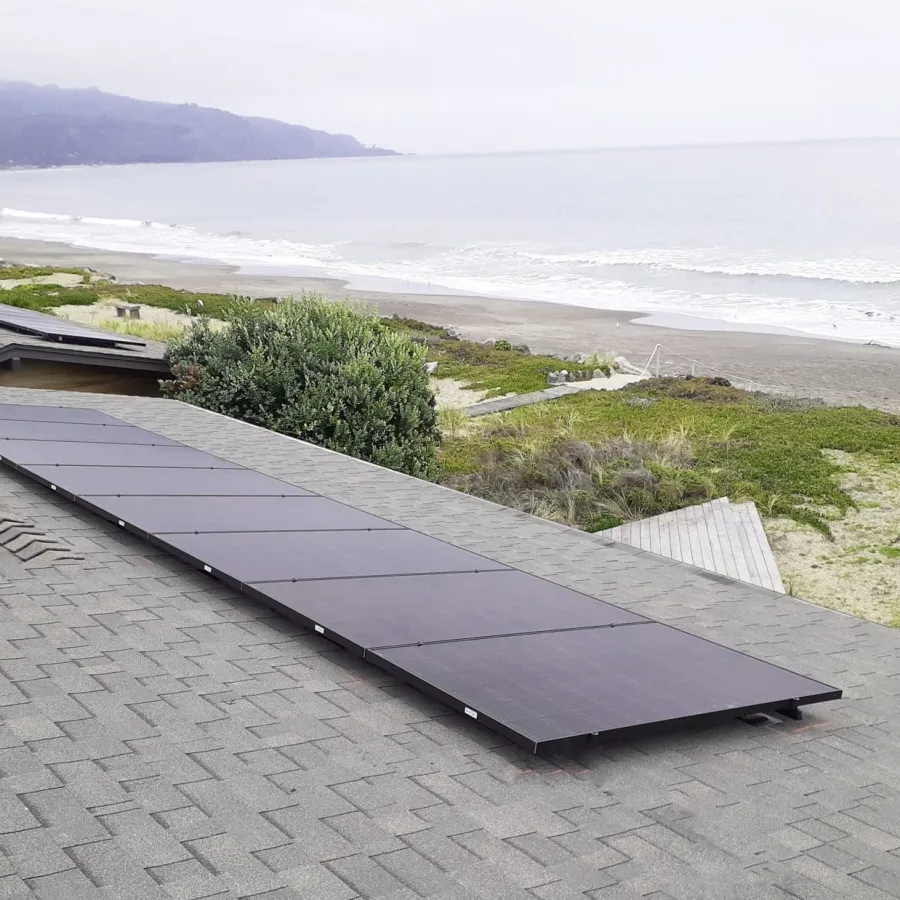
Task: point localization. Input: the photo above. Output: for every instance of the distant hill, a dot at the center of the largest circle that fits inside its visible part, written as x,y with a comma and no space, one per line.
52,126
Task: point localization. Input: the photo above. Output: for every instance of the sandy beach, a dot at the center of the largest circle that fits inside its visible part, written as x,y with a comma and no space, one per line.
838,372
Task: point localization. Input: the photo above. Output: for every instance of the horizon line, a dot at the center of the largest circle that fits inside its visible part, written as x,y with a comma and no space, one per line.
702,145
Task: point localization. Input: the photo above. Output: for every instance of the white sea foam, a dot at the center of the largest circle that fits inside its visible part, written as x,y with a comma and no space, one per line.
591,279
160,239
851,269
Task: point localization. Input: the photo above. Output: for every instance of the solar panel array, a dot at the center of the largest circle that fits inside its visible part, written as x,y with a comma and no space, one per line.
535,661
52,328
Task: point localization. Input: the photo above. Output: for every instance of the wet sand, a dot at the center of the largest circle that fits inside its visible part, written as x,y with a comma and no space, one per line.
835,371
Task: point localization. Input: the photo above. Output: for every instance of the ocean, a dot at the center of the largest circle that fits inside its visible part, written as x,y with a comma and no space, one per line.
802,236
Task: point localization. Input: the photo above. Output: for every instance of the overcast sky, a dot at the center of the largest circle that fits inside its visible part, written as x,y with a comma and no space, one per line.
486,75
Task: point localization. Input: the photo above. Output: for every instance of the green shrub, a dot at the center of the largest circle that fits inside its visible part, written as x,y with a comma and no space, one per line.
502,345
324,372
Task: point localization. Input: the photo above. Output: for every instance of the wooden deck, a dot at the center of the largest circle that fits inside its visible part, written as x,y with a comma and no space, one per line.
720,536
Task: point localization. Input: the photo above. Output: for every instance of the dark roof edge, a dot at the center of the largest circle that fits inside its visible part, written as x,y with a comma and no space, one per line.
82,357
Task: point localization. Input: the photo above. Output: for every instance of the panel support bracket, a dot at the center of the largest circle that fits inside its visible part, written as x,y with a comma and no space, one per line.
791,711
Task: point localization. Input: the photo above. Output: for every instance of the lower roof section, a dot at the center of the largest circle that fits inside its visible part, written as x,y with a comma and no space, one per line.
18,348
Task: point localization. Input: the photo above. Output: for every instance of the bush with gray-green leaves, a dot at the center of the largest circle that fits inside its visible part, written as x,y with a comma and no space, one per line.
328,373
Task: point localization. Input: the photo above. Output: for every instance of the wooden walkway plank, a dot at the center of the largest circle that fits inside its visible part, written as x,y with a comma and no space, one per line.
756,548
711,515
655,543
687,533
700,528
718,522
752,551
774,576
665,538
676,551
734,532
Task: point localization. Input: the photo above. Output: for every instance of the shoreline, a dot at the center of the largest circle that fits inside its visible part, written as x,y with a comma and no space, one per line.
791,362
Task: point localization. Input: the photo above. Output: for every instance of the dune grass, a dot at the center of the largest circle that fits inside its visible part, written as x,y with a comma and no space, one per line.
596,459
151,331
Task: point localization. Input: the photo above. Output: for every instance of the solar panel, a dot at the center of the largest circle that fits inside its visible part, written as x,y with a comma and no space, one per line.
282,556
361,613
557,685
531,659
13,430
167,515
94,482
49,453
68,414
53,328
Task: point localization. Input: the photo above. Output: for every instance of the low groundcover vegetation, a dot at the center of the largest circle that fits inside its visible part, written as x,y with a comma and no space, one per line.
596,459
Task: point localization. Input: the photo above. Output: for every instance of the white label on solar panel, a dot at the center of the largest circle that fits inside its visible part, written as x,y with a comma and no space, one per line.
207,568
52,487
121,524
320,629
470,712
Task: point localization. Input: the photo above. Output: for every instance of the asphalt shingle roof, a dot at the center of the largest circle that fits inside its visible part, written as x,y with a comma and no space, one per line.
165,737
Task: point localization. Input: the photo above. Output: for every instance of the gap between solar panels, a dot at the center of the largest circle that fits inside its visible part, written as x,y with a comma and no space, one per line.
535,661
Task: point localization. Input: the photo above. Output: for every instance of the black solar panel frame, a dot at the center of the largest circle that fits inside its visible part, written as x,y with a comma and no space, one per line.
789,705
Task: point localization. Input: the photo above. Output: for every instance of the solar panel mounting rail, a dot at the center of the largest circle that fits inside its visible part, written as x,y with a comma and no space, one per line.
537,662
